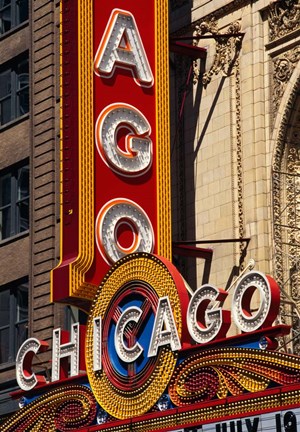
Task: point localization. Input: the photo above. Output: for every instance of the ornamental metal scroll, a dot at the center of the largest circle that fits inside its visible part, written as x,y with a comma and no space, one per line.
66,408
228,46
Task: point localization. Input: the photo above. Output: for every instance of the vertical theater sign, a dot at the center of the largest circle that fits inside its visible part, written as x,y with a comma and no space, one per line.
152,357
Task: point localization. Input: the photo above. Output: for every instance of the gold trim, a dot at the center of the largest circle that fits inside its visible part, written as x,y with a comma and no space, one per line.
46,412
132,269
215,412
280,401
60,149
78,268
78,286
164,228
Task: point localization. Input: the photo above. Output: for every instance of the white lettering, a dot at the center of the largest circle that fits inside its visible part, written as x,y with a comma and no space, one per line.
119,212
205,325
137,157
26,379
126,352
63,351
121,46
164,330
97,340
242,310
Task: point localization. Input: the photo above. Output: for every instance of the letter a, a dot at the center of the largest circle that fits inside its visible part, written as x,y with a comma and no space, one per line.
121,46
164,329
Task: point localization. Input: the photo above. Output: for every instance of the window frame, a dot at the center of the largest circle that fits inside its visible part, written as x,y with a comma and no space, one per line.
11,68
15,14
14,322
13,173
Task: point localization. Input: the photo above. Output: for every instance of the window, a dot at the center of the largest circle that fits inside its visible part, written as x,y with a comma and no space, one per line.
12,13
14,201
14,90
13,319
74,315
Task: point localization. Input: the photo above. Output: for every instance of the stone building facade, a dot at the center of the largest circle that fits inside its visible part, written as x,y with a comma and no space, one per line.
235,148
235,140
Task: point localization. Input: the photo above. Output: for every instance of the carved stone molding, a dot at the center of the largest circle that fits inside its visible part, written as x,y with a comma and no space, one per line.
237,161
293,216
283,18
227,49
286,208
283,67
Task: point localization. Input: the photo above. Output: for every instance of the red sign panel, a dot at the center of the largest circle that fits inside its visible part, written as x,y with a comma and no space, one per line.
115,140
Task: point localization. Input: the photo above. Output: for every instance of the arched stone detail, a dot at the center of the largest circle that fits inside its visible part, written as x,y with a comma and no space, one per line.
286,193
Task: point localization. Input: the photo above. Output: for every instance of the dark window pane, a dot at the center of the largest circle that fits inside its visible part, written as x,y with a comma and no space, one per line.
23,80
23,182
5,223
5,3
23,215
22,303
21,334
14,91
22,72
23,87
23,10
5,111
4,308
12,13
5,19
5,83
14,202
5,190
13,319
23,101
4,345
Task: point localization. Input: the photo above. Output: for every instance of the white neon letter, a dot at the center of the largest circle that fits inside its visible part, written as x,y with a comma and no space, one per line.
121,46
26,379
127,354
111,217
62,351
164,330
269,301
136,159
205,325
97,341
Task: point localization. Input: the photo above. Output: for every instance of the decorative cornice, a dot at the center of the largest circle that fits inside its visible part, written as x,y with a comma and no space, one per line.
283,18
227,48
283,67
283,161
217,14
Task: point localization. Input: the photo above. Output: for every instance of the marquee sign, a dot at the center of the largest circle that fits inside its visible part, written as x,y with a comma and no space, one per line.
115,181
156,358
277,421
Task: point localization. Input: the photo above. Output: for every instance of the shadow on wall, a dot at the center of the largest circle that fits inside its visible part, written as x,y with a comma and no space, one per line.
188,78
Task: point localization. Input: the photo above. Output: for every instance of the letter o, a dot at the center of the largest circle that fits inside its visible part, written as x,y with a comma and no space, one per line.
269,302
121,211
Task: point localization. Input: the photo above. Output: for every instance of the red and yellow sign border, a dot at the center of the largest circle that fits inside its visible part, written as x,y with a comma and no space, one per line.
77,231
